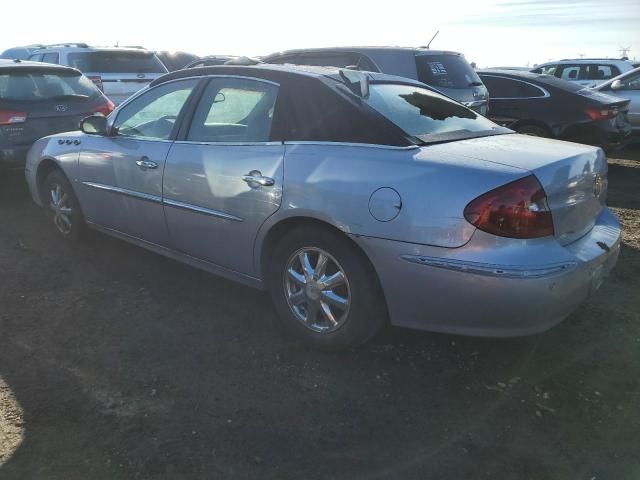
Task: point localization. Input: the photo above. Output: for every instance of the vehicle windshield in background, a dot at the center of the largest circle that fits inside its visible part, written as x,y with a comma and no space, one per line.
116,62
446,71
35,86
428,115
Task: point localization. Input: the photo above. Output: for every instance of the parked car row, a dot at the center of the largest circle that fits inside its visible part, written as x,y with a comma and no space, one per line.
120,72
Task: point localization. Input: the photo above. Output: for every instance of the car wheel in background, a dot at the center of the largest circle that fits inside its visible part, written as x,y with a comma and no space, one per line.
62,206
533,130
325,290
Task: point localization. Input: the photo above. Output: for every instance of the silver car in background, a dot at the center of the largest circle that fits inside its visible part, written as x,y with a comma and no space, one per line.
118,72
626,86
448,72
354,198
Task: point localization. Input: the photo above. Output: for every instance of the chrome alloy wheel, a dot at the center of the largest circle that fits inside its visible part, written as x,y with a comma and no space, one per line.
317,290
62,211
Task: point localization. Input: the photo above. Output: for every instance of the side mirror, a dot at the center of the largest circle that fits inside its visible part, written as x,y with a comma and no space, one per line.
617,85
95,125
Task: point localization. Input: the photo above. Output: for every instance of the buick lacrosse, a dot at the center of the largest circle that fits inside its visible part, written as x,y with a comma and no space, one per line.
354,198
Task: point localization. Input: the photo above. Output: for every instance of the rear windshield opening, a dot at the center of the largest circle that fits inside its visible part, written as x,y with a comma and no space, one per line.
446,71
35,86
116,62
428,115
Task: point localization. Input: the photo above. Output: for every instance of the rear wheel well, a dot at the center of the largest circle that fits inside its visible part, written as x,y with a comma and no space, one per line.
280,229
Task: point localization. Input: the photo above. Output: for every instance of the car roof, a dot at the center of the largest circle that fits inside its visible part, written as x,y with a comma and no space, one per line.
269,69
585,60
10,65
87,48
540,78
421,50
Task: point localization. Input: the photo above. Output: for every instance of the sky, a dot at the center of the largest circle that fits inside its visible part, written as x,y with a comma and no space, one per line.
488,32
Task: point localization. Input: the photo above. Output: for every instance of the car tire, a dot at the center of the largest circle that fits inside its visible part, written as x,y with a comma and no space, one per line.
312,307
533,130
62,206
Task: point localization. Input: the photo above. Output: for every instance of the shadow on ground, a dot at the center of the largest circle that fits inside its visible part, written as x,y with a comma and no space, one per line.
129,365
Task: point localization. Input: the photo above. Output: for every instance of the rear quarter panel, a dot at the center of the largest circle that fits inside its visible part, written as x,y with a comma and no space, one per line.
334,183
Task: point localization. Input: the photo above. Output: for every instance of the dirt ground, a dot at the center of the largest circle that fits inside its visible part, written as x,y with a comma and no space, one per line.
116,363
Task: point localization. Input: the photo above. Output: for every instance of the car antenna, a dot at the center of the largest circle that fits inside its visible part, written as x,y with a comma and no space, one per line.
434,36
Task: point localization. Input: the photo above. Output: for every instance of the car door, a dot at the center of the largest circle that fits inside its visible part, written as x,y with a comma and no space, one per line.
505,108
120,175
224,179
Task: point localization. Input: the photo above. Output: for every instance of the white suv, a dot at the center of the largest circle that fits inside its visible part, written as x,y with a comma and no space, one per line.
586,71
118,72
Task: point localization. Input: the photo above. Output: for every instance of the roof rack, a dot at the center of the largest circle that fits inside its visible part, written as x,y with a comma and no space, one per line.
243,61
575,59
69,44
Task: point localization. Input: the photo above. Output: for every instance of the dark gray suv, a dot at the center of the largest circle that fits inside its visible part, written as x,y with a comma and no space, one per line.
448,72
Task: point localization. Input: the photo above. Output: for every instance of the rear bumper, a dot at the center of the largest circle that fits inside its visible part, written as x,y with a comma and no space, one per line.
606,133
493,287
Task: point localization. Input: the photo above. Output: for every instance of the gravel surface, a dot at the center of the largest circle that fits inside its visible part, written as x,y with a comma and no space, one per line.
116,363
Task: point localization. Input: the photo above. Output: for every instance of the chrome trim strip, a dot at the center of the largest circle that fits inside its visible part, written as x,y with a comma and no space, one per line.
256,79
205,211
156,199
350,144
546,94
504,271
229,144
124,191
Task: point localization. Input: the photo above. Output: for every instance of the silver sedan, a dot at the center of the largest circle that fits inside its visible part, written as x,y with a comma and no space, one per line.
356,199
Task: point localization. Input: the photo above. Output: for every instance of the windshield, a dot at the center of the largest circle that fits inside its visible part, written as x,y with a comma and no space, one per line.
428,115
446,71
117,62
35,86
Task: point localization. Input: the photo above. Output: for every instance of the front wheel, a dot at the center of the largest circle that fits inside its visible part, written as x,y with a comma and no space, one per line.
325,290
62,206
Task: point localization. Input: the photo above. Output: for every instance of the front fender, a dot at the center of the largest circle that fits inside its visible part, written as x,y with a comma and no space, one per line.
47,153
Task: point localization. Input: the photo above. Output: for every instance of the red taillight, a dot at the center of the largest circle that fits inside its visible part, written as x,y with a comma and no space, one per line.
602,113
518,210
105,108
97,80
10,117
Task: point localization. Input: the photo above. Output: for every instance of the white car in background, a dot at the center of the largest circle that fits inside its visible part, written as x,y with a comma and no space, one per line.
586,71
118,72
626,86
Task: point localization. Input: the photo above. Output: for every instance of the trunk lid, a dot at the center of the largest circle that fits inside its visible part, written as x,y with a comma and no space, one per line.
46,118
574,176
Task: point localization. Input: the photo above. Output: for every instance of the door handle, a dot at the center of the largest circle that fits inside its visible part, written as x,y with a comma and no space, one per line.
144,163
256,177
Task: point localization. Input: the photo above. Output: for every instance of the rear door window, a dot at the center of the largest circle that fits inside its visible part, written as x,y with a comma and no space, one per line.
571,73
234,110
601,72
35,86
51,58
446,71
116,62
501,87
36,57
